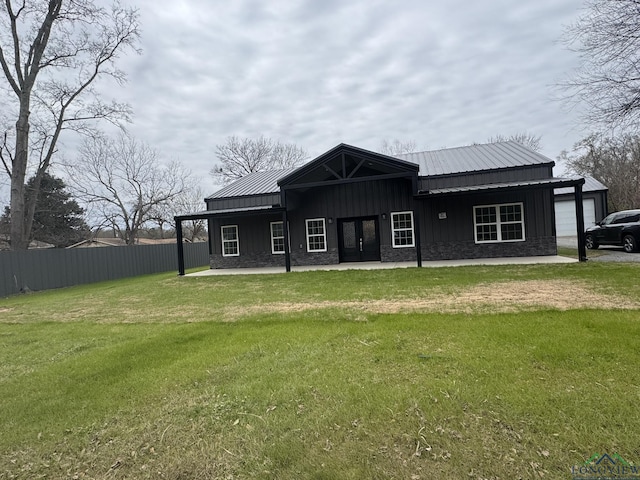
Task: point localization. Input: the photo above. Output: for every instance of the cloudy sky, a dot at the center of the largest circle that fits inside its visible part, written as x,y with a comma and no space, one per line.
321,72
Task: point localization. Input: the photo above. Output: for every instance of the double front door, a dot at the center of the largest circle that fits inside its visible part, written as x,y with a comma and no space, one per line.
359,239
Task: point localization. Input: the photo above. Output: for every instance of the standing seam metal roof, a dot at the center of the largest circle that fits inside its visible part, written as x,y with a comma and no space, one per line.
472,158
257,183
475,158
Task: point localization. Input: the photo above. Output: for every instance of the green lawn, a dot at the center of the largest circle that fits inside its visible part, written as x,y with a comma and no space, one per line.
468,372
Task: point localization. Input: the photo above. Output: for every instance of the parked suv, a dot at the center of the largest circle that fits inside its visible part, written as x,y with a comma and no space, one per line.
620,228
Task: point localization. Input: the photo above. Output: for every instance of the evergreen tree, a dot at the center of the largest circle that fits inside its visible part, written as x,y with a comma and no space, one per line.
58,219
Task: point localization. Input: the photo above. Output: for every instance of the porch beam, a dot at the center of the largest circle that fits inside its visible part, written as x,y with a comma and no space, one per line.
357,167
330,170
407,175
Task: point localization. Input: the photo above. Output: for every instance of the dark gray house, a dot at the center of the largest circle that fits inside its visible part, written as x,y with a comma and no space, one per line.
355,205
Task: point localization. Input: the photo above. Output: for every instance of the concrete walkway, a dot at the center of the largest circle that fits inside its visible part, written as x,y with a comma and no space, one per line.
387,265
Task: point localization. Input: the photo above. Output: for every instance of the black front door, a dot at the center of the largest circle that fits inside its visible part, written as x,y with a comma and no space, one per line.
358,240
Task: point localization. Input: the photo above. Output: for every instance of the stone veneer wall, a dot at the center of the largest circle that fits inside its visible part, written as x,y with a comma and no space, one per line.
434,251
301,257
469,249
247,260
390,254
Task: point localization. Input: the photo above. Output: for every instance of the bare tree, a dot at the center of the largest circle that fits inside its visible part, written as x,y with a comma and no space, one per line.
125,181
613,161
397,147
52,53
192,200
239,157
524,138
607,40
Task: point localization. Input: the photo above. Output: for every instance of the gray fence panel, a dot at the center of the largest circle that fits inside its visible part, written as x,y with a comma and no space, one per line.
56,268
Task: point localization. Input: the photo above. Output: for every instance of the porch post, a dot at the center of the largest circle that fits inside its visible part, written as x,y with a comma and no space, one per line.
180,246
582,249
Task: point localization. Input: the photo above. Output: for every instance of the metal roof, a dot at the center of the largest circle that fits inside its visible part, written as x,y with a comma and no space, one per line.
560,182
257,183
590,185
473,158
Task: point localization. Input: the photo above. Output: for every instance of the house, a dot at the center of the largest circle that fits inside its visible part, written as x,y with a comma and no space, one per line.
355,205
594,206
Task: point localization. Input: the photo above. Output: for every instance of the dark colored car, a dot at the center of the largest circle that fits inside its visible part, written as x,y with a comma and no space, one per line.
620,228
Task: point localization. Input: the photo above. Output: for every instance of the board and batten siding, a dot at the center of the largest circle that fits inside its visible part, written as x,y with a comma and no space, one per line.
458,224
243,202
484,178
349,200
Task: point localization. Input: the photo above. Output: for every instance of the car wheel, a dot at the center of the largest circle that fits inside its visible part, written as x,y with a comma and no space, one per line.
590,242
629,243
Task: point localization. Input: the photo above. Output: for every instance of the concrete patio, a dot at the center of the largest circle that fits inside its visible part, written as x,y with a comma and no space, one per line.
387,265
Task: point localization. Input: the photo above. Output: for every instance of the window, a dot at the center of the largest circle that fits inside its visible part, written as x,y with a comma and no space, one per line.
230,246
277,238
402,229
316,235
499,223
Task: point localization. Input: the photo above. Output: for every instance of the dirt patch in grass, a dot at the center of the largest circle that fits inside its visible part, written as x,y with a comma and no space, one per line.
497,297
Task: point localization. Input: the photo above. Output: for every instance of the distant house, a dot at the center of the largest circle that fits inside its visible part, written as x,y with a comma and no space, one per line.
594,201
355,205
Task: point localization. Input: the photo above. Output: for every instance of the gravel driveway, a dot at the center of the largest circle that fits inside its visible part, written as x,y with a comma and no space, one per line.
605,253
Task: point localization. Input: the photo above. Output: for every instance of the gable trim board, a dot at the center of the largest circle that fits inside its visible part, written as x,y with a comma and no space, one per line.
350,199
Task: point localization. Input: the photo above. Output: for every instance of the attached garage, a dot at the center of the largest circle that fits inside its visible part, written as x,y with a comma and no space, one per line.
594,207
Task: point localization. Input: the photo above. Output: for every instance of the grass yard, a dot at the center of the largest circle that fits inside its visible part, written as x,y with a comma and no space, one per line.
486,372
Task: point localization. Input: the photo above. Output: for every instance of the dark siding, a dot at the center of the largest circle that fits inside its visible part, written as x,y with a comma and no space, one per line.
360,199
456,231
243,202
484,178
254,237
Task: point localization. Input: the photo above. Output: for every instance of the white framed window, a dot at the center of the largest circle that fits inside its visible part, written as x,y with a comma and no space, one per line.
499,223
402,229
277,238
230,244
316,235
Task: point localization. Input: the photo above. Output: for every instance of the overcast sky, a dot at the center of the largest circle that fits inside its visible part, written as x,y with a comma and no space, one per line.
321,72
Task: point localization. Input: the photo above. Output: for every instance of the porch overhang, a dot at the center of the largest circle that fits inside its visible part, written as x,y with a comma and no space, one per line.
551,183
232,212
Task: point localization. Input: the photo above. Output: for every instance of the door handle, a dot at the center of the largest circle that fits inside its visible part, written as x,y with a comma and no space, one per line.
361,244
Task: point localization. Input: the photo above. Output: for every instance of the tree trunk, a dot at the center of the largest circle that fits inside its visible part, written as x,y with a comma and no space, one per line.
19,239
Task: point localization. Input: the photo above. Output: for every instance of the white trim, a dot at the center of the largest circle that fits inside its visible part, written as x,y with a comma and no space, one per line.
498,223
323,235
236,241
394,230
273,247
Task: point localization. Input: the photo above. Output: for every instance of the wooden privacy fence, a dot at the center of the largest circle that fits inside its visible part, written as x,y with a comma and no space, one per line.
56,268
